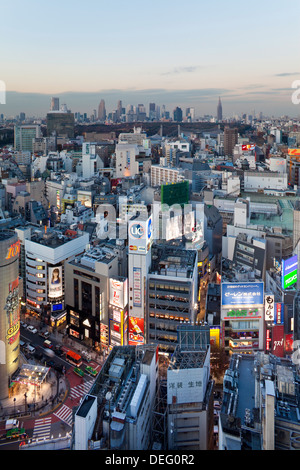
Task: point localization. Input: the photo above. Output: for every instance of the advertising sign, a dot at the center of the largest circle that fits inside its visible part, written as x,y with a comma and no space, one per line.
136,331
294,152
137,287
279,313
248,147
278,340
289,272
269,308
238,294
140,235
55,282
118,293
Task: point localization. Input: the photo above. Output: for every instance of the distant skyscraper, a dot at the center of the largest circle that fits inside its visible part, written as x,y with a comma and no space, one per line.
102,111
219,111
54,106
119,110
177,114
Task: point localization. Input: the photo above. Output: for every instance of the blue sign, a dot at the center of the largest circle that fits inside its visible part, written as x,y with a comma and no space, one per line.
240,294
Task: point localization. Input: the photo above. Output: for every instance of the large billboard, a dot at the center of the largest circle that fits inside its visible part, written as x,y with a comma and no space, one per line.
294,152
118,293
175,193
140,233
240,294
55,282
289,272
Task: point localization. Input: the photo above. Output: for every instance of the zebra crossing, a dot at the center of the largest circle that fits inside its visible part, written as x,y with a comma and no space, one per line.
42,428
79,390
65,414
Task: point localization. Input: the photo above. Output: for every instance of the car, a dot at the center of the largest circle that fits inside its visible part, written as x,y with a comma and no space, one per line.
32,329
48,344
78,371
58,352
89,370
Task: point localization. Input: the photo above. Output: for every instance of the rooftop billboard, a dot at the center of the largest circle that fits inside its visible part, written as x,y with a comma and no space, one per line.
289,272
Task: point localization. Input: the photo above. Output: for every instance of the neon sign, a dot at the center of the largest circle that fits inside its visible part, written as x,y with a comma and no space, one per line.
13,250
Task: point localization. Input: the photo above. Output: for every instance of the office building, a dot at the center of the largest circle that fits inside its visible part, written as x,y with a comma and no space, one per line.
24,137
46,251
102,111
9,310
230,140
219,111
54,105
177,114
172,293
96,297
60,124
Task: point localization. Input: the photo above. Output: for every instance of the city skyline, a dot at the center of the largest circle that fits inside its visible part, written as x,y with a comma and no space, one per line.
157,55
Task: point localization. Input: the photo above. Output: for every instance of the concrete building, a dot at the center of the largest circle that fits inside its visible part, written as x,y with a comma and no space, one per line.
260,409
230,140
9,310
24,137
87,299
190,391
172,293
117,412
46,251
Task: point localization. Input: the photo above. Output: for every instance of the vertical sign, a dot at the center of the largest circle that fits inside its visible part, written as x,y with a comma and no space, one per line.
269,308
137,287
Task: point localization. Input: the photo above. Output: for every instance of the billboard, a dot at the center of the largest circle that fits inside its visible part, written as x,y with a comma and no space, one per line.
136,331
248,147
294,152
240,294
278,340
174,227
140,234
55,282
279,313
175,193
269,307
118,293
137,287
289,272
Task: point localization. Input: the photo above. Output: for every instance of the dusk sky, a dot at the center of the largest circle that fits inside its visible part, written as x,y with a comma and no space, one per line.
172,52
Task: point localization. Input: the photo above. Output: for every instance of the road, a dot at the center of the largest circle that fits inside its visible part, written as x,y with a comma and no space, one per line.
58,421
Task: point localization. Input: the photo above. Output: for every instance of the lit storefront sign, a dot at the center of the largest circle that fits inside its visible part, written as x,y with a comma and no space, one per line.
289,272
13,250
242,294
238,313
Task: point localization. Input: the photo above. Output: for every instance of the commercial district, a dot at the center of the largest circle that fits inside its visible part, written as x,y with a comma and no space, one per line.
149,261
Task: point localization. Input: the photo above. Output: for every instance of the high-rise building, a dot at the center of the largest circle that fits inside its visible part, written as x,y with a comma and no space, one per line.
24,135
177,114
102,111
219,111
119,110
60,123
54,106
230,139
9,309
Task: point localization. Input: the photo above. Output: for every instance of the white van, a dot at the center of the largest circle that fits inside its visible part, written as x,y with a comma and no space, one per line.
30,349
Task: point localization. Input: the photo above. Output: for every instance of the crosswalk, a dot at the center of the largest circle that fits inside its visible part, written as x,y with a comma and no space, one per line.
65,414
79,390
42,428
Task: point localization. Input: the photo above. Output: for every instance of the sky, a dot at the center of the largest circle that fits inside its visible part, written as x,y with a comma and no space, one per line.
172,52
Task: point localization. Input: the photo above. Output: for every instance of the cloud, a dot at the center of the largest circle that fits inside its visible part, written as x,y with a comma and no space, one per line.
286,74
178,70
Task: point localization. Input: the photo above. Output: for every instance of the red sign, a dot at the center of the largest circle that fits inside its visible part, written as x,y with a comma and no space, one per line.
136,331
13,250
248,147
278,340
